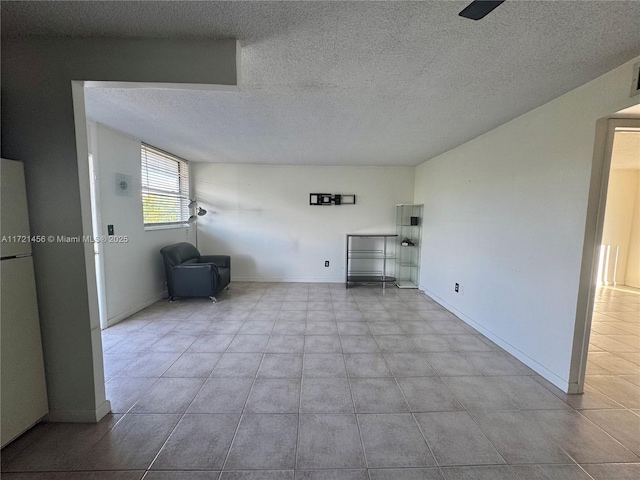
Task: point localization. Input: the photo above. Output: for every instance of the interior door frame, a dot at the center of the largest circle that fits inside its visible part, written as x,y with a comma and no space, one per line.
597,203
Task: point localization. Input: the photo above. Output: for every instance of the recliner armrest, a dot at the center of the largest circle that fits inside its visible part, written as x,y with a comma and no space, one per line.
185,268
218,260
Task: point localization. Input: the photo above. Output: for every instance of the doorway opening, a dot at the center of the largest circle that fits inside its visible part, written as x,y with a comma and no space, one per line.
612,356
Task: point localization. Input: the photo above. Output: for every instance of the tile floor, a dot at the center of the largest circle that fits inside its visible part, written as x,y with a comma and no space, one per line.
317,382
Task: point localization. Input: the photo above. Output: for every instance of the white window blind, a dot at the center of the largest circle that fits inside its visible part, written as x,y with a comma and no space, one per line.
165,187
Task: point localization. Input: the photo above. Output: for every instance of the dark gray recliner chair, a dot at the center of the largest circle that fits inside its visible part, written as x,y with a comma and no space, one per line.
190,274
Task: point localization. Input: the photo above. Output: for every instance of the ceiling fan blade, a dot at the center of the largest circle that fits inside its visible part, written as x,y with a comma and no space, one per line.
479,9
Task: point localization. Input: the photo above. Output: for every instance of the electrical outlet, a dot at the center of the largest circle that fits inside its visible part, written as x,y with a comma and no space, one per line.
457,288
326,263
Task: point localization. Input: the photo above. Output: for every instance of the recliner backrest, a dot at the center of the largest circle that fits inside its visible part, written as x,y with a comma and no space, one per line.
179,253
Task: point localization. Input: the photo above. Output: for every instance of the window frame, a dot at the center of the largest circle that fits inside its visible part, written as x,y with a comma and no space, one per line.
183,180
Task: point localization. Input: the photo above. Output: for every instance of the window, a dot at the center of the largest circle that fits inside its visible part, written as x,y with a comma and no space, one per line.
165,187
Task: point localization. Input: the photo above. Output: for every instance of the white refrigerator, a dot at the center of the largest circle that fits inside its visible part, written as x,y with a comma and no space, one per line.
23,393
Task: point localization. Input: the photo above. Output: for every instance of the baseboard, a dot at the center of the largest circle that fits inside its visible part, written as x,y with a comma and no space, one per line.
79,416
287,280
561,383
141,306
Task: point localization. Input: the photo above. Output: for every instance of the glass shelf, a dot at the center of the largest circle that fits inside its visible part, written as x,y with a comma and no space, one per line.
407,267
368,258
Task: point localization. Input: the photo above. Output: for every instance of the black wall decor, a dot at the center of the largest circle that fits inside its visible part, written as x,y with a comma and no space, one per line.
331,199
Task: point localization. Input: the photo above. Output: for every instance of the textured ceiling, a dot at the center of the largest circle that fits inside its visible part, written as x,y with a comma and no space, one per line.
347,83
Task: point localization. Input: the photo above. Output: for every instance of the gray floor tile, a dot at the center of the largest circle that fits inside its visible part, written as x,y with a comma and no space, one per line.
225,327
328,474
281,365
353,328
550,472
455,439
582,440
428,394
193,328
264,442
168,395
409,365
57,447
359,344
528,394
329,441
249,344
132,444
536,433
479,393
393,440
101,475
136,342
285,344
198,442
353,315
222,395
274,395
183,475
323,365
258,475
173,342
384,328
314,316
417,327
366,365
298,317
326,395
237,365
623,392
623,425
432,473
466,343
497,472
519,439
395,343
124,392
449,364
289,327
614,471
321,328
377,316
257,327
294,305
322,344
211,343
377,395
150,364
197,365
115,362
430,343
493,363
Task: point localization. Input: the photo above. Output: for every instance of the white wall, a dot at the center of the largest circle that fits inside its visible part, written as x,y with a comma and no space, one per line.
260,215
39,127
133,271
632,276
505,216
618,220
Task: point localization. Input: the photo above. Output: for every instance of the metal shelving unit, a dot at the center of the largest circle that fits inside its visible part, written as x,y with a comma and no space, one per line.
408,228
370,258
